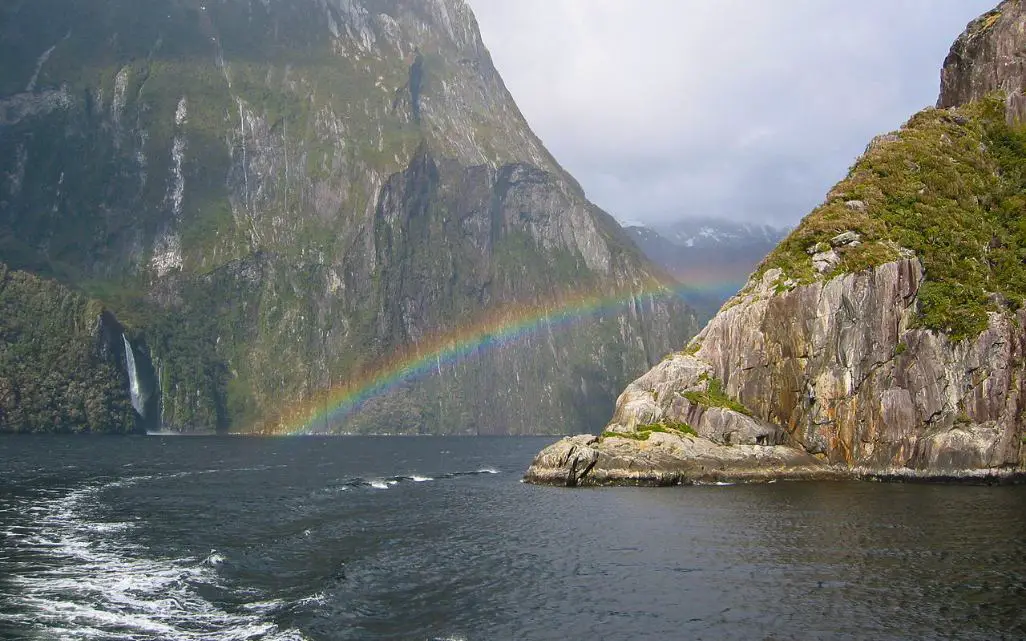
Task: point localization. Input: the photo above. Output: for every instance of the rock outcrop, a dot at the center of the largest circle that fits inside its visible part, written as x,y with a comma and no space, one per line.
882,339
989,56
830,380
276,197
670,459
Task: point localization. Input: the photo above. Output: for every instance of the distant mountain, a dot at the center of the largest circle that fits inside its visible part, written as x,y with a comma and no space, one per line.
712,258
709,232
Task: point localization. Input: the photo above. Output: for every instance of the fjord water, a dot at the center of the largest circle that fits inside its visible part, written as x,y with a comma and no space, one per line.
436,538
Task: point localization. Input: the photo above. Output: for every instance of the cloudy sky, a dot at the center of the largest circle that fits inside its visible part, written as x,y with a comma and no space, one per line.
744,109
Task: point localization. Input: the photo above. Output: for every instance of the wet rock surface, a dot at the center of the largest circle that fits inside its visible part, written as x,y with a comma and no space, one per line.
667,459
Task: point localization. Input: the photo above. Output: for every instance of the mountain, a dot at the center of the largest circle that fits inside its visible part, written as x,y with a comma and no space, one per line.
711,257
883,337
292,208
701,233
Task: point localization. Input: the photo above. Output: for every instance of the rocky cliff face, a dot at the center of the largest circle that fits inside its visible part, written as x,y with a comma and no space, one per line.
275,196
988,56
838,369
883,337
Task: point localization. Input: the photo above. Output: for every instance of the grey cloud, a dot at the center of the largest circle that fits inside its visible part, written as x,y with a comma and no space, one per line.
746,109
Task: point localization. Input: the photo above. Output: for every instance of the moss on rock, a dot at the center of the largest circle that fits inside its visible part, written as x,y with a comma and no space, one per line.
715,396
951,187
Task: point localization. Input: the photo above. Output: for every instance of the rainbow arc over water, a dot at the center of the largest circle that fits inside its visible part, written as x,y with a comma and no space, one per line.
495,328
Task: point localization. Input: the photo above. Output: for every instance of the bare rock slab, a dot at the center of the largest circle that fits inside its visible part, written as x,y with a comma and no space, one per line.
669,459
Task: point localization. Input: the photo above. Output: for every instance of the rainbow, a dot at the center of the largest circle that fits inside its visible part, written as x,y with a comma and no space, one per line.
492,329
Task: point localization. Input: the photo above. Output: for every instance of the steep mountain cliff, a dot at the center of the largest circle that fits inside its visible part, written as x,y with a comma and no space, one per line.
883,337
273,197
988,57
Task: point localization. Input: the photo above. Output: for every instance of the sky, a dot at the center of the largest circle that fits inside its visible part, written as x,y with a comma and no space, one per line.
749,110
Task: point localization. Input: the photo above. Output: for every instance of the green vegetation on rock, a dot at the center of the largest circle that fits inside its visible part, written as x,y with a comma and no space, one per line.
644,432
58,360
714,396
951,187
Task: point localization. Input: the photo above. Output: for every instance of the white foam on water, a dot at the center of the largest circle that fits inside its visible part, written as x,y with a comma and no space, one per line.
421,479
98,585
488,470
314,599
378,485
264,607
214,559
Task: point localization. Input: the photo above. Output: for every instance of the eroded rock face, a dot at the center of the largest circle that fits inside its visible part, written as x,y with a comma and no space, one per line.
989,56
840,368
838,382
669,459
568,461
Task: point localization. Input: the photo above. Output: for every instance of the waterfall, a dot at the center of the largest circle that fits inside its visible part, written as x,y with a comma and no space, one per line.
133,379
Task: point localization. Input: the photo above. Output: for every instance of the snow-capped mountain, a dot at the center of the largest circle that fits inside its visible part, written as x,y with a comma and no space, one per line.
719,233
711,258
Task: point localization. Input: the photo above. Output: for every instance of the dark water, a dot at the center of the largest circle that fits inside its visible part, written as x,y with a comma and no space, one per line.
432,538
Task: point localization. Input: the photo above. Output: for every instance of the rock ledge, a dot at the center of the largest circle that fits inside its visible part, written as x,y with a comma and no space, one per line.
671,459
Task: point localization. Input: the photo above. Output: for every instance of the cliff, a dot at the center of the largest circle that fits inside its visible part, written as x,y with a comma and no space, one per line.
882,338
987,57
276,197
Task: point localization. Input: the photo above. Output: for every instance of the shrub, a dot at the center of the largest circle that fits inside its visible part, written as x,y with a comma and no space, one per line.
951,187
714,396
637,436
644,432
667,426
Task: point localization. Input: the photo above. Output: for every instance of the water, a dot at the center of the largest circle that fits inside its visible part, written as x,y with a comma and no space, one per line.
133,379
435,538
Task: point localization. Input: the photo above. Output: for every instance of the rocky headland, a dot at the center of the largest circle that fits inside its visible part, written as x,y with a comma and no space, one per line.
882,339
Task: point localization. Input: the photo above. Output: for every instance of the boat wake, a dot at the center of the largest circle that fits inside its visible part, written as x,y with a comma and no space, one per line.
72,571
87,581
